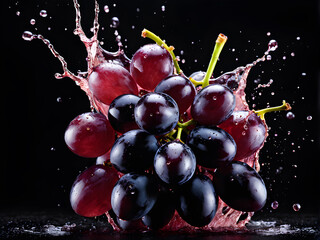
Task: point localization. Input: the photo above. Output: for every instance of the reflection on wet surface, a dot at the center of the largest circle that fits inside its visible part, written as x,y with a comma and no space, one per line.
53,225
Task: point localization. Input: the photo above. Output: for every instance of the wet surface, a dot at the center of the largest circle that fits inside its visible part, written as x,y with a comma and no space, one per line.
61,225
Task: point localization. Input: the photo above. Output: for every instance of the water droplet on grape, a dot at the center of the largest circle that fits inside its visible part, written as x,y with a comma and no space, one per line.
43,13
296,207
290,115
115,22
275,205
272,45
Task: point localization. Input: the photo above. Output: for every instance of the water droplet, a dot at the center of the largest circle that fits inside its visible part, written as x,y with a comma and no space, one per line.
163,8
243,133
43,13
183,60
106,8
303,74
290,115
298,38
115,22
59,99
268,57
296,207
292,54
272,45
309,118
28,36
52,149
18,13
32,21
268,33
275,205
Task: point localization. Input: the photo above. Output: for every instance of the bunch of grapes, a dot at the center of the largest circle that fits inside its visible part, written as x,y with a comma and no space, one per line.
168,143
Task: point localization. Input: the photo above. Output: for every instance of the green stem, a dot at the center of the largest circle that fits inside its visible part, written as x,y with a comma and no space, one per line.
186,124
221,40
284,107
146,33
179,132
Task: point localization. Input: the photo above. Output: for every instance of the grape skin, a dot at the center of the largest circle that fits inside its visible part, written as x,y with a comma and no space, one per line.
121,113
134,151
212,105
89,135
212,146
180,89
108,81
157,113
248,131
133,196
174,163
150,64
90,195
197,201
240,187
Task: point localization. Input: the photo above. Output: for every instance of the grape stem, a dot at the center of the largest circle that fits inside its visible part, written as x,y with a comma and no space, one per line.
284,107
221,40
147,34
182,126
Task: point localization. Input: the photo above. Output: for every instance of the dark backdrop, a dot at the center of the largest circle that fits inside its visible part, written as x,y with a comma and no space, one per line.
37,170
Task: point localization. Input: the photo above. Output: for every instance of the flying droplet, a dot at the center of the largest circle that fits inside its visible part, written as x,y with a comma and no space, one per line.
43,13
28,36
296,207
290,115
106,8
275,205
309,118
32,21
115,22
272,45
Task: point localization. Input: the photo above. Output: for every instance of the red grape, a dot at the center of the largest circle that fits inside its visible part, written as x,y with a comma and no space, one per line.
150,64
248,131
180,89
89,135
212,105
90,194
109,80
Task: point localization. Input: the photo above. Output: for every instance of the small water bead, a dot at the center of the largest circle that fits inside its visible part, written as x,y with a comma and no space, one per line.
272,45
59,99
115,22
28,36
106,8
275,205
43,13
32,21
296,207
163,8
268,33
309,118
18,13
290,115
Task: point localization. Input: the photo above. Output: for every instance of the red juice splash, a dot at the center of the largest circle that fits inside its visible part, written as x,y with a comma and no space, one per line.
226,217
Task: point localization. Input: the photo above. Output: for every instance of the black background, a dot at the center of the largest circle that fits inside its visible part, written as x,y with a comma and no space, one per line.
37,170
